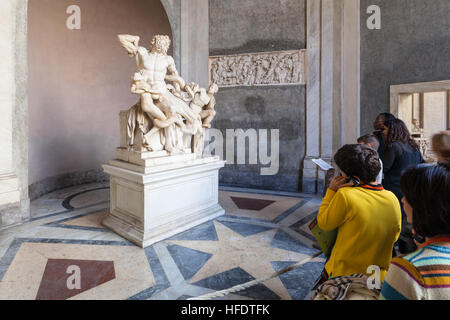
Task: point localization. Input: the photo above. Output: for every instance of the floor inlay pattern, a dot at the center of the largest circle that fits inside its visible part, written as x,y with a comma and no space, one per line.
260,234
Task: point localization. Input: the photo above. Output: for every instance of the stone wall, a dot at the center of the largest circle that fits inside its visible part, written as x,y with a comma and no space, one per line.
79,80
261,26
412,46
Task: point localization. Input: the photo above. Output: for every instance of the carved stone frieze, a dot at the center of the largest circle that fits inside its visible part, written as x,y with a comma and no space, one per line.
258,69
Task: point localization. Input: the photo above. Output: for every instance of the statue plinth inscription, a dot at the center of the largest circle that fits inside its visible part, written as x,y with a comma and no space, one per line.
160,183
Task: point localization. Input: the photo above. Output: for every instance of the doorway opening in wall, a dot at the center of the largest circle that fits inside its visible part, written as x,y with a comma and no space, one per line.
425,108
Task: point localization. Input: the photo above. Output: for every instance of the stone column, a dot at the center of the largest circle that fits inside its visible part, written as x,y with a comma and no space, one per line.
14,203
313,77
332,85
351,71
189,21
194,48
173,10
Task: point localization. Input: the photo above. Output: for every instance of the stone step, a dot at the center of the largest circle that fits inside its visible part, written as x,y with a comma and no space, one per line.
151,159
163,167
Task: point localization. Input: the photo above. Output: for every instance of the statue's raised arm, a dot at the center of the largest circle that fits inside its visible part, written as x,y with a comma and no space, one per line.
130,43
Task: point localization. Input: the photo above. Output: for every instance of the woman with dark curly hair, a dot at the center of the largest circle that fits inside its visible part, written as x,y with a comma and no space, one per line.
424,274
380,125
400,153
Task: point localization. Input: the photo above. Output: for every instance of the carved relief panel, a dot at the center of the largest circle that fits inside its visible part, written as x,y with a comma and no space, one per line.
258,69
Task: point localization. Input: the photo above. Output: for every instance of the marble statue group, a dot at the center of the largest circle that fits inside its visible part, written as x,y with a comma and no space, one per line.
171,115
160,157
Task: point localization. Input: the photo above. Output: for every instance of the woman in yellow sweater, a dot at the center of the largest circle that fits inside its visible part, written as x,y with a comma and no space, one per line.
367,217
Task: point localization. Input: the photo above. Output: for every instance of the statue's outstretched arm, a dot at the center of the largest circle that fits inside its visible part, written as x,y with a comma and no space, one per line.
130,43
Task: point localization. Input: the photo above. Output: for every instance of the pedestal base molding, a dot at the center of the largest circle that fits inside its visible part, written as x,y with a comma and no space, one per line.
153,203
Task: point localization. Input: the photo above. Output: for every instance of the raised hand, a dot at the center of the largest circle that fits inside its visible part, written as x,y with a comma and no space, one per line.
338,183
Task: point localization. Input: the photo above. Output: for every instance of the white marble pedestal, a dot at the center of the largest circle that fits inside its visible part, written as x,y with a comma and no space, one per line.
154,196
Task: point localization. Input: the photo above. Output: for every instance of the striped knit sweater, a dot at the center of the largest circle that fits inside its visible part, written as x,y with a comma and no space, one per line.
422,275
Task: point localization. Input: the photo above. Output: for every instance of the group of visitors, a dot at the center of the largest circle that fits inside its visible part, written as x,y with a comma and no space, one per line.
392,216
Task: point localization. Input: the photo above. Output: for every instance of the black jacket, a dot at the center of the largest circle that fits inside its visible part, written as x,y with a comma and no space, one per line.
397,159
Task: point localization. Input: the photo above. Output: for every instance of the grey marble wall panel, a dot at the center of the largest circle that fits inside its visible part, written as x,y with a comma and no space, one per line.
264,108
413,45
254,26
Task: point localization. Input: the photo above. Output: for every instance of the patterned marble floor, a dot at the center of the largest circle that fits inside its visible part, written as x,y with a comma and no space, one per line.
261,233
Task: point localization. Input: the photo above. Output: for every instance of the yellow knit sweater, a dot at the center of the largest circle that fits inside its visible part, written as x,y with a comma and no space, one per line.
369,223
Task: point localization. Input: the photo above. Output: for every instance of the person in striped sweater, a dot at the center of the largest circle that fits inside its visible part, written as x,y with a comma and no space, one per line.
424,274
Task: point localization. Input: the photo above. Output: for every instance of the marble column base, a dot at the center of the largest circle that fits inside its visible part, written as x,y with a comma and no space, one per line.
10,202
150,204
9,189
314,179
310,176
